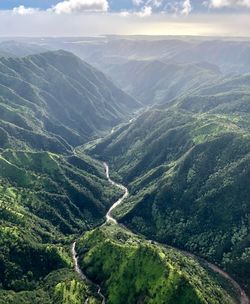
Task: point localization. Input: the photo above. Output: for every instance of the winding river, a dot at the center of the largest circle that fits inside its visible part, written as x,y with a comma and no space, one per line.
83,276
110,219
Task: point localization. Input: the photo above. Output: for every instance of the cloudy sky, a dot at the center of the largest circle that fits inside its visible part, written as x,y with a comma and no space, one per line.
96,17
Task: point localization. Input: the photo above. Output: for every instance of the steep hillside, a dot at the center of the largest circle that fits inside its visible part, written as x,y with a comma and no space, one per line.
187,168
146,272
156,82
57,97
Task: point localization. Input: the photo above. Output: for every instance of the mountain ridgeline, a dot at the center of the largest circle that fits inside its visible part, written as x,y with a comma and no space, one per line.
13,48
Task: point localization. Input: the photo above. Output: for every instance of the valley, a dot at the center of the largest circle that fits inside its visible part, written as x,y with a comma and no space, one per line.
124,181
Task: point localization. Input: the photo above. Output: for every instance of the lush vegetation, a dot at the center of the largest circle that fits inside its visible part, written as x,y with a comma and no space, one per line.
59,287
145,272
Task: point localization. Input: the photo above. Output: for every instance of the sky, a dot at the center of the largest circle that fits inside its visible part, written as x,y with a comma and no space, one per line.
130,17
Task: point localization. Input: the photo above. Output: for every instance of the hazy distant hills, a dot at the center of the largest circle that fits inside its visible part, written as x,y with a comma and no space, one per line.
231,55
14,48
157,69
158,82
152,69
187,167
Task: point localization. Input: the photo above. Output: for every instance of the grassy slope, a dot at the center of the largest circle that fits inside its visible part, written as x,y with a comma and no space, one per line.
144,272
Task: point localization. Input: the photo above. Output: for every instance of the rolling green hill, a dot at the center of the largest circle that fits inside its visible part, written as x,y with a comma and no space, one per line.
145,272
187,168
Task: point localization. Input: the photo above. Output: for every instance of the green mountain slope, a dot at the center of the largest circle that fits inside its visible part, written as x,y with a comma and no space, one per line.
145,272
187,168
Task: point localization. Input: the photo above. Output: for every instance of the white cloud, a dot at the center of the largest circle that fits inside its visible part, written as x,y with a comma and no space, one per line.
44,24
178,8
22,10
155,3
79,6
186,7
137,2
125,14
145,12
229,3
